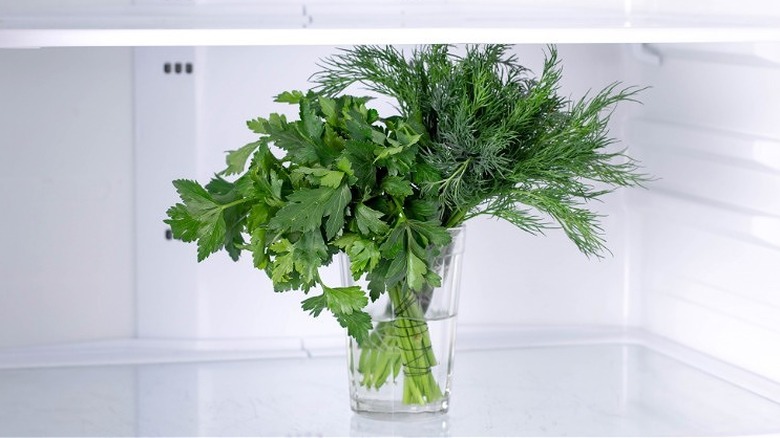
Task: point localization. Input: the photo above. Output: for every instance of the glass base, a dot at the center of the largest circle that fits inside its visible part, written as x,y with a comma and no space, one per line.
389,410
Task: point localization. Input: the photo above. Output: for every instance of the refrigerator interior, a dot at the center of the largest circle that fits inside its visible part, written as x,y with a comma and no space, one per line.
107,327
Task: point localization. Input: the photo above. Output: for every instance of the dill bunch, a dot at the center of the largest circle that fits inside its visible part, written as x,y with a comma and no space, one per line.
497,141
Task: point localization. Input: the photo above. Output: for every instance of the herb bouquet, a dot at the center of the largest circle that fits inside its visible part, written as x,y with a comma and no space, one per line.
475,135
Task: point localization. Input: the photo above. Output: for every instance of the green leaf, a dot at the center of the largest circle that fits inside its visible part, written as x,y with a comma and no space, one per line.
281,246
425,173
282,267
407,139
335,212
345,240
433,232
306,209
297,263
288,137
219,187
378,137
422,209
344,165
293,97
346,304
357,126
257,245
194,195
315,305
183,226
396,271
409,247
328,107
332,139
433,279
244,187
235,223
332,178
343,300
325,177
258,216
363,255
372,115
310,125
200,207
258,125
394,243
397,186
385,152
369,221
236,160
358,325
310,252
211,236
416,270
361,158
377,279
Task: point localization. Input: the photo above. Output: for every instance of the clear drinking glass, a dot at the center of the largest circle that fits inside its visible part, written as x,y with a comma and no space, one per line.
405,367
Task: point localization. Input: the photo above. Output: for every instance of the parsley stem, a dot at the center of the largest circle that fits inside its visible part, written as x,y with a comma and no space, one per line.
417,357
234,203
400,208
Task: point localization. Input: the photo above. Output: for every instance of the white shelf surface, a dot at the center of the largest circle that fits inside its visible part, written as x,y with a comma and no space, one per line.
238,23
530,381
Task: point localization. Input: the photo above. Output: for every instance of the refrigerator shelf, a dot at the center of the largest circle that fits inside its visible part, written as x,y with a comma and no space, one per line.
240,23
529,381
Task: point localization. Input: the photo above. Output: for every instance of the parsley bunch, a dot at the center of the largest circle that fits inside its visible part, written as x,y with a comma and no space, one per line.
349,181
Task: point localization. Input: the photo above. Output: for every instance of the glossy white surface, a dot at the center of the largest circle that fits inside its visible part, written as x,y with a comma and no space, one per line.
595,386
202,23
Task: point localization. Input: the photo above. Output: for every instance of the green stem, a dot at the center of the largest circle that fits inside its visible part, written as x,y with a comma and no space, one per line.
456,218
417,357
400,208
236,202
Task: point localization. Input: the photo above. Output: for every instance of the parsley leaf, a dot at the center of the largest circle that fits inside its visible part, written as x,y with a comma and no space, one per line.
183,226
363,254
200,217
294,96
325,177
306,208
416,270
369,221
346,304
258,125
360,155
236,160
397,186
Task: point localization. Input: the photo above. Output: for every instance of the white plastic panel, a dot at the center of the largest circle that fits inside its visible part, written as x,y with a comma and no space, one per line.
66,240
165,149
708,233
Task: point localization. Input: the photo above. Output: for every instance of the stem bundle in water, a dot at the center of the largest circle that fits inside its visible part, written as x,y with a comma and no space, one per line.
414,341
